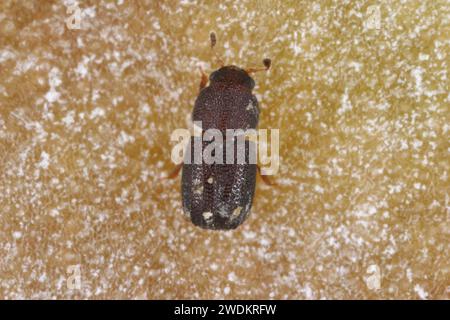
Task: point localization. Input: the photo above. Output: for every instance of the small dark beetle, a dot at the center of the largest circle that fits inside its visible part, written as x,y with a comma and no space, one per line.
219,196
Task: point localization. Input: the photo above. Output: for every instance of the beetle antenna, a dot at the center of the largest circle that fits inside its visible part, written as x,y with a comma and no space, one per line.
267,63
213,39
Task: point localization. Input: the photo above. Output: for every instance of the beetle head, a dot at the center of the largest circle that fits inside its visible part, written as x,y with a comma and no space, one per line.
232,75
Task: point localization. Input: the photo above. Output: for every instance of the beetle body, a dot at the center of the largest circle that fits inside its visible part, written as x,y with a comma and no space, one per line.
219,196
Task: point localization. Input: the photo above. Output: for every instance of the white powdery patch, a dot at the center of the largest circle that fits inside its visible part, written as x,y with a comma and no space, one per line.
419,186
420,292
214,267
355,65
52,95
45,160
417,144
54,213
423,57
265,242
309,117
42,278
89,12
294,46
17,234
364,210
68,120
6,55
54,81
308,292
97,112
409,274
373,280
318,189
395,188
346,105
69,3
249,235
417,74
145,108
24,66
54,77
124,138
382,106
232,277
82,68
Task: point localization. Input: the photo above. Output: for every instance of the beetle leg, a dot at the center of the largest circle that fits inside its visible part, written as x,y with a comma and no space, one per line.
204,80
266,179
175,171
219,59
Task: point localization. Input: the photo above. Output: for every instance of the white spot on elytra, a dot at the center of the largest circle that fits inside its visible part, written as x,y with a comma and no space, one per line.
250,106
207,215
236,212
198,190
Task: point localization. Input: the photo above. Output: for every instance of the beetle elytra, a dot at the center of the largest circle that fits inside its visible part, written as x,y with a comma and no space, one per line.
219,196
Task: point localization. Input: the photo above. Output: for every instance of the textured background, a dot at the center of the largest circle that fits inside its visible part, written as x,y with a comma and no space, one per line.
362,205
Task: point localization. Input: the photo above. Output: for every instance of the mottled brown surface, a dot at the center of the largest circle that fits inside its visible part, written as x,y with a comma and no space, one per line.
85,123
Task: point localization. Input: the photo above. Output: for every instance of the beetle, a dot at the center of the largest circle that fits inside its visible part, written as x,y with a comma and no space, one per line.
219,196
